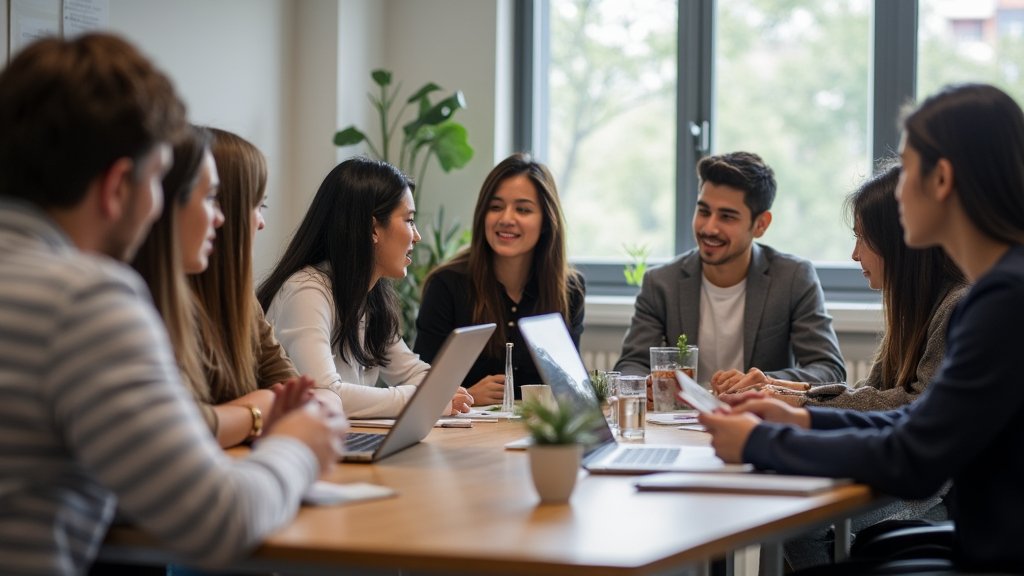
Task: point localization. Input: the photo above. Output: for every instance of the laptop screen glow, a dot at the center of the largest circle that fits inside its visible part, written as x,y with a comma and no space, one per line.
561,367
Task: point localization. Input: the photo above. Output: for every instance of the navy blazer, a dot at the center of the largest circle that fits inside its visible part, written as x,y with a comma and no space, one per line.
966,426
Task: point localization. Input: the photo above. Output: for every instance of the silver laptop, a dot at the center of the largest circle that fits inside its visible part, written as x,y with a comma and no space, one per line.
450,366
561,368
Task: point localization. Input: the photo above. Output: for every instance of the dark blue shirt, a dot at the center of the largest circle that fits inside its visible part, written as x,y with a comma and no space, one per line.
968,426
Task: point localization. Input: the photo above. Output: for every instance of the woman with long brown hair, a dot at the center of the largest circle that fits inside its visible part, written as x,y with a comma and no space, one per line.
190,188
180,243
241,358
330,297
515,266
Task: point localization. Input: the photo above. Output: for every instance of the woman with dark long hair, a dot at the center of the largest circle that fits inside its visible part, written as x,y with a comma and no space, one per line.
515,266
920,288
330,298
961,188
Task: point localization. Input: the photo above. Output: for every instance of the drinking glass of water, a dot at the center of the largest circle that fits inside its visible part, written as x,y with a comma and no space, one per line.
632,406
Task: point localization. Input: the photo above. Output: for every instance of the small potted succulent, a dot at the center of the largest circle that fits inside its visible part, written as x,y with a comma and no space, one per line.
605,385
558,433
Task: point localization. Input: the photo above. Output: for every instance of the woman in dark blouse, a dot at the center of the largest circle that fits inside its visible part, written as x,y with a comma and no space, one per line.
515,266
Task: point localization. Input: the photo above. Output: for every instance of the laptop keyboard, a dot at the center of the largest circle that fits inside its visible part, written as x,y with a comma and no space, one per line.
362,441
639,456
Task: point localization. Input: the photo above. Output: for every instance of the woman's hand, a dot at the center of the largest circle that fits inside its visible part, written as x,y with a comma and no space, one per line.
781,393
316,427
773,410
289,395
238,419
734,381
489,390
461,402
729,433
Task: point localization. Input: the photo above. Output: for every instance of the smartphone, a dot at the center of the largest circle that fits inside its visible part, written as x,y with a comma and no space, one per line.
696,395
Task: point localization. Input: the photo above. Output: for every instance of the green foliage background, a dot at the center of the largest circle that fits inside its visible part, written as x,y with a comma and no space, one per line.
792,81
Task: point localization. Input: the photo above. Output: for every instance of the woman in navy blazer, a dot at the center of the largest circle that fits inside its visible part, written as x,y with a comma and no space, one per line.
962,188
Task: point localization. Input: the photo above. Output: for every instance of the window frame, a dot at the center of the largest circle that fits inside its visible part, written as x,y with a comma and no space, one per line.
892,84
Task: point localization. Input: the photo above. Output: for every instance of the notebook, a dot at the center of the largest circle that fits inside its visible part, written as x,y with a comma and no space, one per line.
452,363
752,483
562,368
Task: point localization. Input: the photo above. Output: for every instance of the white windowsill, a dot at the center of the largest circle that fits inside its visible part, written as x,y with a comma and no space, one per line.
847,317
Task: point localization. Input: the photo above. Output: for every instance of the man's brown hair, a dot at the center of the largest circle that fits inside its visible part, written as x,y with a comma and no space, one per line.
70,108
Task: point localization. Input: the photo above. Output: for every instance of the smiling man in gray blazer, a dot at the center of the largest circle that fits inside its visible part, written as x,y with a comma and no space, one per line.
744,304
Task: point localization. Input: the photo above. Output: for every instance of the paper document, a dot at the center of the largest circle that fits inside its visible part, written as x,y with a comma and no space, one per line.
485,414
750,483
446,422
673,418
328,493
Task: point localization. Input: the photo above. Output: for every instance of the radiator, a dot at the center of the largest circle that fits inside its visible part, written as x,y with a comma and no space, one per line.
856,370
600,359
606,359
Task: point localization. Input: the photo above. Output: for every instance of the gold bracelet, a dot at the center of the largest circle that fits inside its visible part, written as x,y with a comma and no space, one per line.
257,421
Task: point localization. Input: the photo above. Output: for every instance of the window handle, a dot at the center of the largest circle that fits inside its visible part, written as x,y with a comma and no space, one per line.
701,136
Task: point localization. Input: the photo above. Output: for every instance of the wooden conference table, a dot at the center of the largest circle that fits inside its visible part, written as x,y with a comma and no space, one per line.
467,506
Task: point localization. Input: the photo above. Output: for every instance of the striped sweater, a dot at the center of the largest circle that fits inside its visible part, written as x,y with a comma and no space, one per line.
94,416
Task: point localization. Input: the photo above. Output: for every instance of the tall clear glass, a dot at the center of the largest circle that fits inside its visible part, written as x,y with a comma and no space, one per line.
508,401
612,378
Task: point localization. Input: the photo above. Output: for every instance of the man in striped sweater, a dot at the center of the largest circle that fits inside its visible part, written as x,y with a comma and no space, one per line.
93,413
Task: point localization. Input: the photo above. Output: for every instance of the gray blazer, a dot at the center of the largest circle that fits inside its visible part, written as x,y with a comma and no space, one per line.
787,332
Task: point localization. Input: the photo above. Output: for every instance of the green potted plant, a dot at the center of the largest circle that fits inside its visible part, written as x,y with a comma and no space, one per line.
604,384
558,432
637,266
430,133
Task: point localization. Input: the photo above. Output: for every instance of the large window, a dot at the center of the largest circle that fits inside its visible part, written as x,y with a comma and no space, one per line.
624,96
981,41
611,130
627,95
791,83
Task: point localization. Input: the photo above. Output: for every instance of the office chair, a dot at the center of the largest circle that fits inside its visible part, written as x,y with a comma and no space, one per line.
904,540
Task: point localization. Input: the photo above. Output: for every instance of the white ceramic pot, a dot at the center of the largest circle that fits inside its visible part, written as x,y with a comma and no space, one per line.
554,468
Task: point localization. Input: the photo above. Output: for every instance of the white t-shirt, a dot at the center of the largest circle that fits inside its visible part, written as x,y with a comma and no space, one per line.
721,328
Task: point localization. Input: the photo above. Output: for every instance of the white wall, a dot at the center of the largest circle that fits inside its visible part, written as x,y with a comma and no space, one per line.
232,61
314,86
287,74
362,48
454,44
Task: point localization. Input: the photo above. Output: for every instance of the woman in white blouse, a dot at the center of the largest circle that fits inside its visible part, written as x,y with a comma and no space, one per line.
328,298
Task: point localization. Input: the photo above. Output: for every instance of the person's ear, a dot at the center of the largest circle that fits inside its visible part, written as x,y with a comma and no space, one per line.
761,223
942,179
115,189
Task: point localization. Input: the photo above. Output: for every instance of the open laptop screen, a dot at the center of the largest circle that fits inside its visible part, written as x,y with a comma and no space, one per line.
561,367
